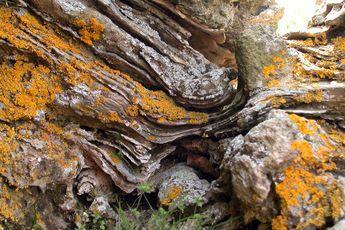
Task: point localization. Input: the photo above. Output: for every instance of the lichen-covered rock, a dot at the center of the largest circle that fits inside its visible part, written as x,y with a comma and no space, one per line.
182,186
260,54
290,158
265,150
100,205
98,97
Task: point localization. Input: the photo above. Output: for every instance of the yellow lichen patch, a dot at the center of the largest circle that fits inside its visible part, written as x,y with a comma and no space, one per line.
132,110
326,70
51,40
197,118
89,31
306,184
318,68
18,31
314,96
7,204
305,126
14,147
173,193
7,145
339,44
271,72
279,223
273,83
25,89
109,117
151,138
337,136
320,39
276,102
158,105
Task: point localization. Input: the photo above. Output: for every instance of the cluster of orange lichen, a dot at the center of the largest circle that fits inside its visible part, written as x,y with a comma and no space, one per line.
324,69
25,89
89,32
132,110
313,96
306,182
306,127
276,101
173,193
110,117
338,136
319,39
7,145
271,72
7,203
16,29
53,148
279,223
339,44
158,105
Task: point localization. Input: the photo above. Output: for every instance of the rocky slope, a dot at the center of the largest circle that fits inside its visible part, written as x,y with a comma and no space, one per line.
156,114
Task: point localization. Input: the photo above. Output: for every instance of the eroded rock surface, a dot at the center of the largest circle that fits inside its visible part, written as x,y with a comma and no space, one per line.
152,104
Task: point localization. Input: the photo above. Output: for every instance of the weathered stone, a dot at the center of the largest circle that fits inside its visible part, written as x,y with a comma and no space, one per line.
264,168
255,48
100,205
71,117
182,186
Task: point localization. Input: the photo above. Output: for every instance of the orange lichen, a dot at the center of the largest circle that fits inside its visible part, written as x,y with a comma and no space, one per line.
158,104
132,110
320,39
173,193
306,182
151,138
337,136
89,32
326,70
307,127
314,96
109,117
7,204
25,89
276,102
7,145
270,72
273,83
18,29
279,223
317,68
339,44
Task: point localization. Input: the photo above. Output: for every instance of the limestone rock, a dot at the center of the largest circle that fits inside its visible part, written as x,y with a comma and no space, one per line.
256,46
280,155
182,186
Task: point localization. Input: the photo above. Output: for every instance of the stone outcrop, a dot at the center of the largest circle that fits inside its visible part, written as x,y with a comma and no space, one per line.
202,100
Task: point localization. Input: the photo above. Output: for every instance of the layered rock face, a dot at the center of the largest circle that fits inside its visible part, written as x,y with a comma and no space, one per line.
224,108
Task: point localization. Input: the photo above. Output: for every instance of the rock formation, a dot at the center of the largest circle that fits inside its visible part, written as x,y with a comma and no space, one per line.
224,108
